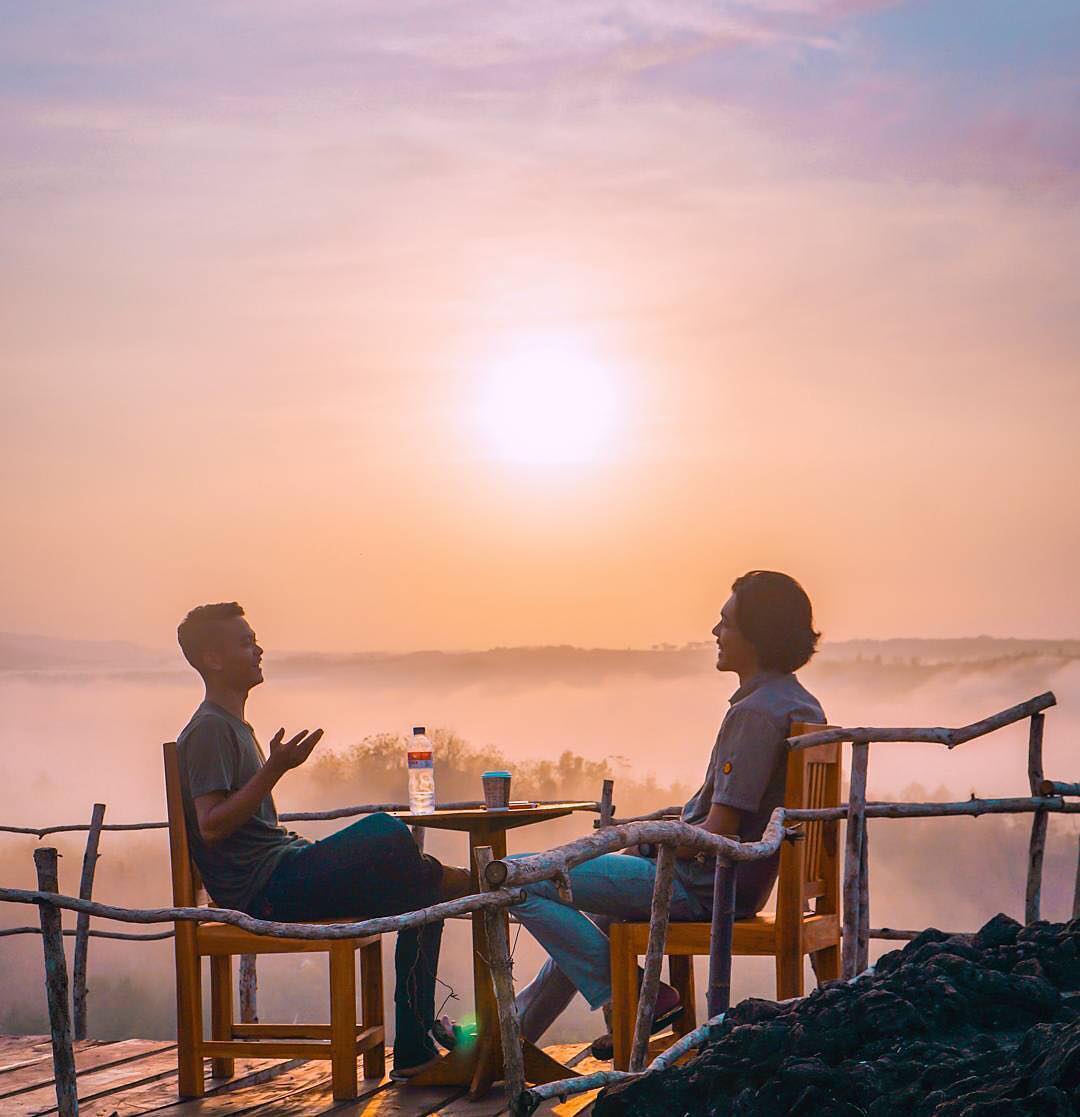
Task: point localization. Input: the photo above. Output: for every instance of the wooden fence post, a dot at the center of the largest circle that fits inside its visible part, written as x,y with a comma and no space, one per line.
56,986
502,979
1037,844
82,922
856,820
658,927
1076,890
607,808
249,990
720,939
863,958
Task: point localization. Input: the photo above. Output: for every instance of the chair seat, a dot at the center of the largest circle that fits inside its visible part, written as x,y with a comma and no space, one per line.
225,938
755,936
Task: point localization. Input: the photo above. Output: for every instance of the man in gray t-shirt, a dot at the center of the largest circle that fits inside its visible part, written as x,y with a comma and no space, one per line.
219,754
248,862
764,635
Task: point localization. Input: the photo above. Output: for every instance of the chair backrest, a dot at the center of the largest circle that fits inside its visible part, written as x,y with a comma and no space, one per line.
186,883
814,781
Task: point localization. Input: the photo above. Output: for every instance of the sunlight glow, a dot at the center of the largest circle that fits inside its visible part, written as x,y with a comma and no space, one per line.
547,400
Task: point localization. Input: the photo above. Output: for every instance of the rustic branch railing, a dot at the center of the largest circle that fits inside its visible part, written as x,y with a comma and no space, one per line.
503,879
248,980
287,816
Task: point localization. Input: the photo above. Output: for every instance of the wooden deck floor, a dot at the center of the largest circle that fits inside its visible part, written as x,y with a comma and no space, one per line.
136,1076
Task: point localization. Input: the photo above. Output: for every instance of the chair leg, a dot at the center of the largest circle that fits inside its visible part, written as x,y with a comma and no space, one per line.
624,994
681,975
371,1002
826,964
190,1083
343,1020
789,970
221,1011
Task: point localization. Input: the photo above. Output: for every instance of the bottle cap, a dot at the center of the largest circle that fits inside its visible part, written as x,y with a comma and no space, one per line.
417,729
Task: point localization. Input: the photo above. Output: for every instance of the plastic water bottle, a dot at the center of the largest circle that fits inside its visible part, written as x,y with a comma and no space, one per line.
421,761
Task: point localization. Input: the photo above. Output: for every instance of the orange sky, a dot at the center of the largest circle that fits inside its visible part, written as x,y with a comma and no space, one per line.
253,299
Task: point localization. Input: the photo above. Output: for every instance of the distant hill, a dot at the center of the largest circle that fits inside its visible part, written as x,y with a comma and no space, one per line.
29,652
564,663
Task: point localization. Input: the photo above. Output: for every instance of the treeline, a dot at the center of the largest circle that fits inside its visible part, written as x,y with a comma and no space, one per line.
372,771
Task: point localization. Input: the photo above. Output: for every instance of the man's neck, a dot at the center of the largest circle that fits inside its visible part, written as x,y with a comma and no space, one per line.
748,672
228,699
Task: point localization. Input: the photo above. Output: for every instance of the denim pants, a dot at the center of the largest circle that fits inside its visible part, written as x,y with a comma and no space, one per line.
616,885
370,868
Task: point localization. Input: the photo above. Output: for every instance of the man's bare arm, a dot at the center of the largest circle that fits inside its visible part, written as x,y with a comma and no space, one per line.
221,813
721,820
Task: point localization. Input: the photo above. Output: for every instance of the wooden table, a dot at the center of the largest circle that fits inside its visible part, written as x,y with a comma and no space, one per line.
478,1065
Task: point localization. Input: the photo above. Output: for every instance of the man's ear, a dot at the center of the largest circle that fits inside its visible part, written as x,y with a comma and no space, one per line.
211,660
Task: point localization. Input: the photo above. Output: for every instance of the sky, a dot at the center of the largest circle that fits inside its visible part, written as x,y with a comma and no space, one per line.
460,325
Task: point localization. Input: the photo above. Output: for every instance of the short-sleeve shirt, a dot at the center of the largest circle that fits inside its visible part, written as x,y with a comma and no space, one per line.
219,752
748,771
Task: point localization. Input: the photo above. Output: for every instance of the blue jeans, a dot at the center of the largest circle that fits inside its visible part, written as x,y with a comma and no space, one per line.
615,884
370,868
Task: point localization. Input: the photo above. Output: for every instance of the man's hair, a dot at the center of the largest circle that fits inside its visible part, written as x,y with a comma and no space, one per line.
198,631
773,612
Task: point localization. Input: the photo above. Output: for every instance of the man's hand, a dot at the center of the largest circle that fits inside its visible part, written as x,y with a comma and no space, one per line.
292,753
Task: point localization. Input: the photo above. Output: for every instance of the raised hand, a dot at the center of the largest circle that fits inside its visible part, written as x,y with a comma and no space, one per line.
292,753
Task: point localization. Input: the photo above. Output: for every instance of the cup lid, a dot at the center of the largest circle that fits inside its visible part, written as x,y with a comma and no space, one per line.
496,775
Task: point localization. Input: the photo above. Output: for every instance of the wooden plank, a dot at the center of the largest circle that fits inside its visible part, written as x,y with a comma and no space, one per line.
95,1083
493,1103
266,1082
396,1100
38,1072
15,1051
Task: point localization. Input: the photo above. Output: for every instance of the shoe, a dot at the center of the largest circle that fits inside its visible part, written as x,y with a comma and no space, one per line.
455,883
444,1033
603,1047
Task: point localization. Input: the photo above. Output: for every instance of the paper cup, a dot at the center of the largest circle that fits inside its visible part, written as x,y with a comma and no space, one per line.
496,790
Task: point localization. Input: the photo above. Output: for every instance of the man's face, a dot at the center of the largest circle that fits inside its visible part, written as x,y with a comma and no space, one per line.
733,651
236,656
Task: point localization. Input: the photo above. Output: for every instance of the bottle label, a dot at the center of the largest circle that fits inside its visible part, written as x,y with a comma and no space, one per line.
421,760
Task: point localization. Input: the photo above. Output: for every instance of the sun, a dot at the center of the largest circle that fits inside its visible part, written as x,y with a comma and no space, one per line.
547,399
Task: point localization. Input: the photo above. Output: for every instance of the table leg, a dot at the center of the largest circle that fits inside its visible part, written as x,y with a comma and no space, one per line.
479,1065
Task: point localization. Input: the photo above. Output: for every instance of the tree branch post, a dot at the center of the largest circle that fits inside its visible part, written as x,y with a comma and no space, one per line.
856,821
56,985
249,990
502,980
1037,843
607,807
658,927
1076,890
82,922
721,936
863,958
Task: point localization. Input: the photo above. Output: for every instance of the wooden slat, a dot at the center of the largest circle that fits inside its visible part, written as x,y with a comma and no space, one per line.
94,1083
397,1100
285,1049
17,1048
88,1057
224,938
224,1097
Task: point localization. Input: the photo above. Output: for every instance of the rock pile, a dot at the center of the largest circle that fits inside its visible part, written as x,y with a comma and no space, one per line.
984,1025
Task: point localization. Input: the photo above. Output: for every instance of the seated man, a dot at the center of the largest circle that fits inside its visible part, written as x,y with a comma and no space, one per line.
250,863
764,635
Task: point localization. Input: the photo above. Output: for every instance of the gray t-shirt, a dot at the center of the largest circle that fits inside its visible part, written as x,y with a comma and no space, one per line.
748,771
219,752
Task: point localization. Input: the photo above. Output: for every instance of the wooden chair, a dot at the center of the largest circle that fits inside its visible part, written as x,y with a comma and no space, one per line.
809,869
340,1041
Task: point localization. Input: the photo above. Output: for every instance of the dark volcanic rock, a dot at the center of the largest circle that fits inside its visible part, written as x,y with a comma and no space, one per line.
984,1025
